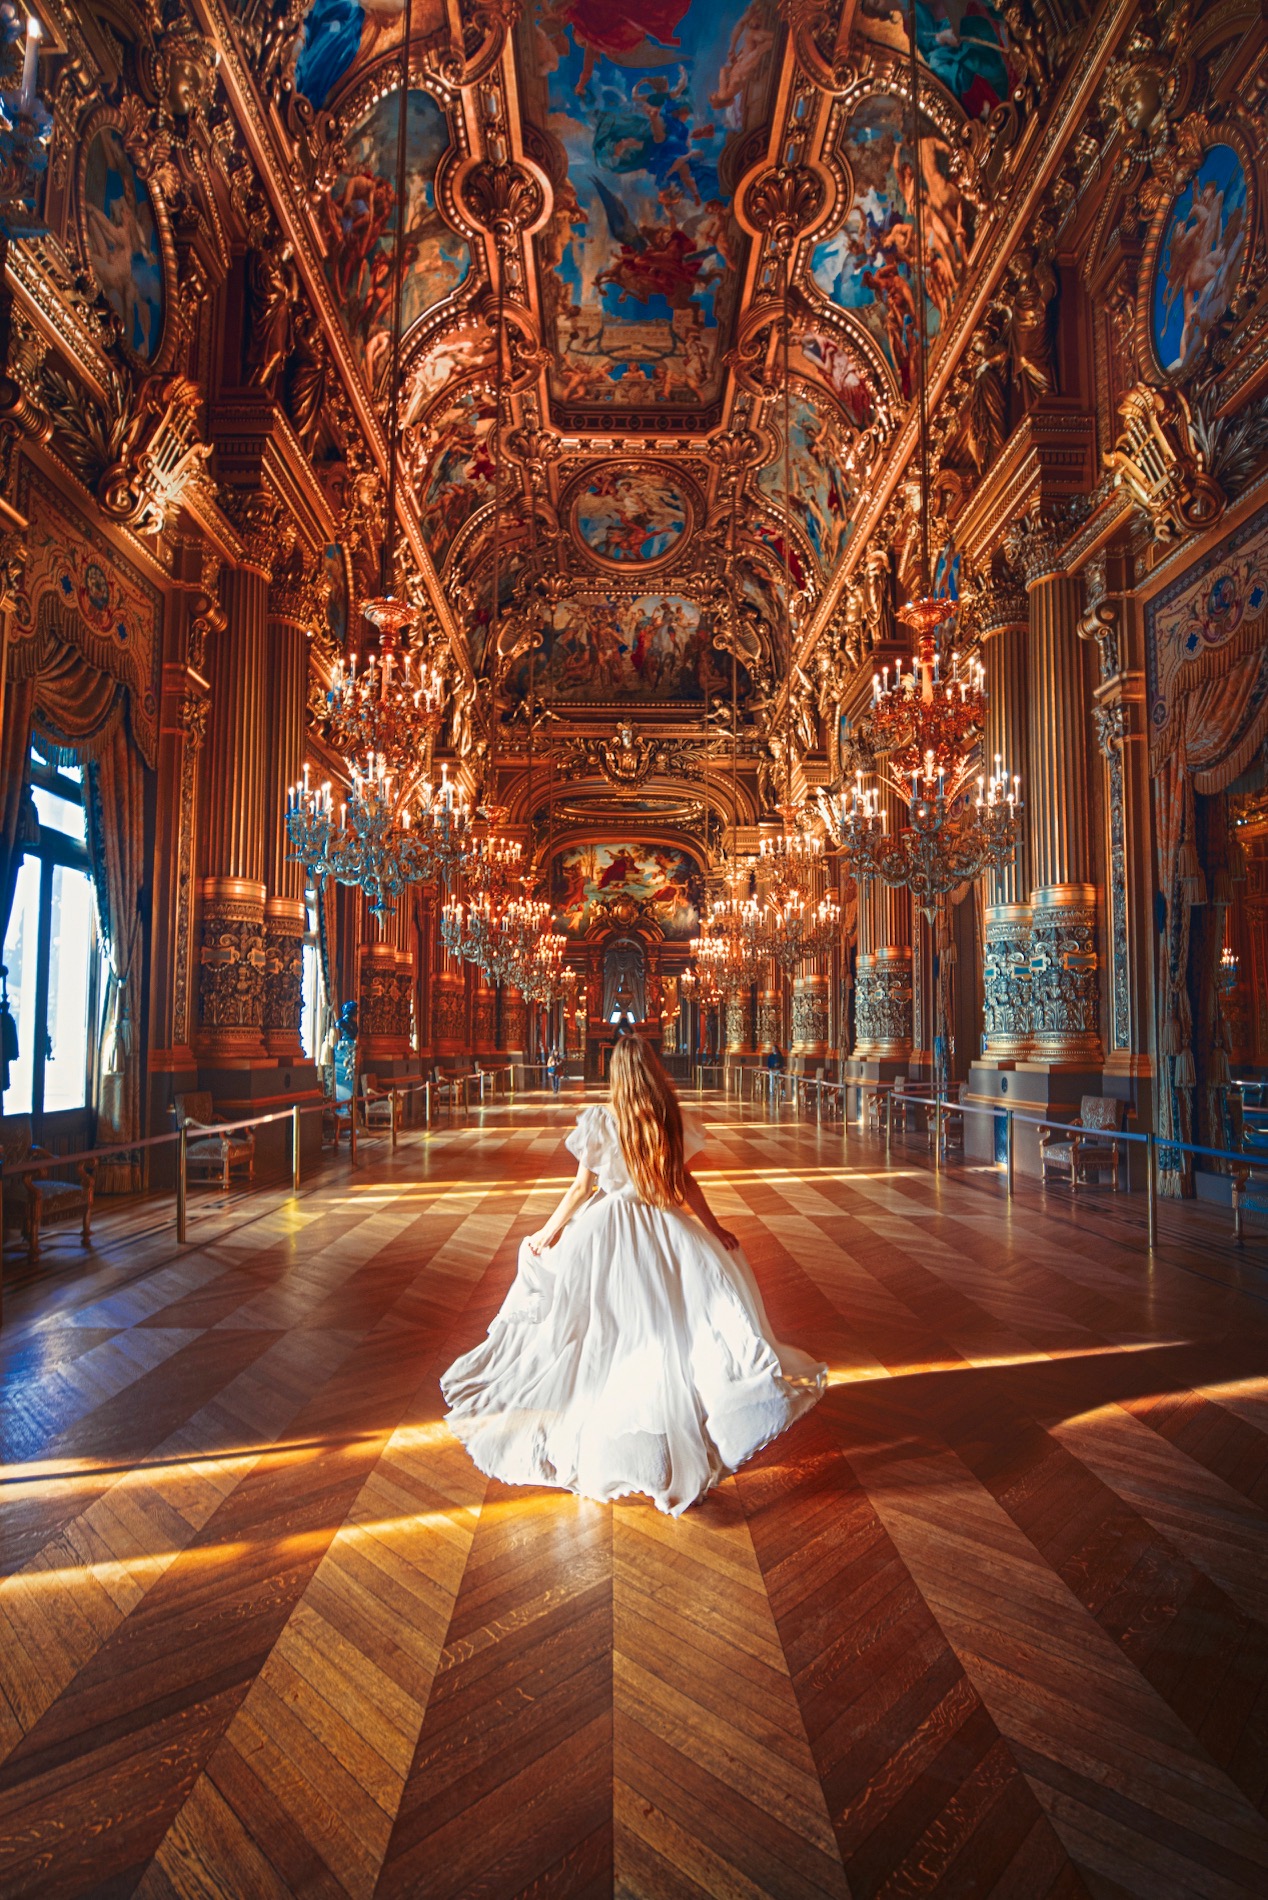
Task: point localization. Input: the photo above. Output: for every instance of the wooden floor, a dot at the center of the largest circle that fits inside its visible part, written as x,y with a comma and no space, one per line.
992,1620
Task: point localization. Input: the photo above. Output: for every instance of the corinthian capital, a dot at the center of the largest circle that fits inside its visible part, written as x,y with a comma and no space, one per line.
1032,545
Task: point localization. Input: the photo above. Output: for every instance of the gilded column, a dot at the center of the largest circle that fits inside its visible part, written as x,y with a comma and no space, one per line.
285,913
233,955
1065,998
1003,617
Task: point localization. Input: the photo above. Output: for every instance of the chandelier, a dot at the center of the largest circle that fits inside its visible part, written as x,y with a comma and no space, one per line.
502,935
944,842
789,862
396,827
728,952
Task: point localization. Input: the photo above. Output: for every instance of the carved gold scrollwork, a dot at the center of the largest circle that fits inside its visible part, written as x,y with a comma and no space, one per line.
1157,460
815,29
486,26
783,202
137,452
504,199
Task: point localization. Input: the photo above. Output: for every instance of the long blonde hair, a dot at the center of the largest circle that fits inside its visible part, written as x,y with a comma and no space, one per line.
648,1123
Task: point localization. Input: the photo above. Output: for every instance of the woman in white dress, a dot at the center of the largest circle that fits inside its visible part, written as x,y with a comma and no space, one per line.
632,1352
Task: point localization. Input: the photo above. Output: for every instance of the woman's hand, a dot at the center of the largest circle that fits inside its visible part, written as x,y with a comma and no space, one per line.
725,1238
540,1241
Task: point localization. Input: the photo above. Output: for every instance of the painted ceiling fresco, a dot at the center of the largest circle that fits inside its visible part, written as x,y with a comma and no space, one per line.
640,310
653,647
867,266
640,263
964,43
460,470
818,489
340,39
632,518
667,882
359,215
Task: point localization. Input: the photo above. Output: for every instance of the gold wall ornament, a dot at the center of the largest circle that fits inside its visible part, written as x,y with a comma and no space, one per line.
138,452
505,200
1157,461
784,204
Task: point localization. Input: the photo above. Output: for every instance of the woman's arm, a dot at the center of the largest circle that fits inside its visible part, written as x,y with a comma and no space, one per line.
700,1208
577,1194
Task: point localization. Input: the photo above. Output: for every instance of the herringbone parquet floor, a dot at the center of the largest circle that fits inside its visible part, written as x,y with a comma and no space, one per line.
993,1620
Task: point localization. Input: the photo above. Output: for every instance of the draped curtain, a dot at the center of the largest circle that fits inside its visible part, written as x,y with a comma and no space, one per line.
1215,730
72,703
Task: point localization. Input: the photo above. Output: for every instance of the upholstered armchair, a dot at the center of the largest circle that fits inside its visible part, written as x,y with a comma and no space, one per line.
1080,1150
210,1156
34,1201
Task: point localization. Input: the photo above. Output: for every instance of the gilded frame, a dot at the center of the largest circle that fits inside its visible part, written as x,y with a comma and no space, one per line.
1224,133
105,119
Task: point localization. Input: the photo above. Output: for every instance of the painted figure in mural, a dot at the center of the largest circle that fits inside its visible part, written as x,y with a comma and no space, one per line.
631,517
590,875
644,99
123,243
339,35
868,265
1202,257
360,215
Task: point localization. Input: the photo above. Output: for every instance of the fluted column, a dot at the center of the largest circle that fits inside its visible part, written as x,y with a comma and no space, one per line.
233,890
284,909
1065,1000
1003,613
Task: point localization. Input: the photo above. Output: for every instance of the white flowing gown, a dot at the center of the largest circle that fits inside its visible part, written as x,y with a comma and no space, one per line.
633,1355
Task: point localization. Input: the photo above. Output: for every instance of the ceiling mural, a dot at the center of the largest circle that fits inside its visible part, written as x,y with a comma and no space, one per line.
819,491
621,880
359,214
640,266
651,647
866,267
964,43
631,517
339,39
460,469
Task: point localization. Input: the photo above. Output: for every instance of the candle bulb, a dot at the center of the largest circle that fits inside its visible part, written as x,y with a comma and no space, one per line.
30,55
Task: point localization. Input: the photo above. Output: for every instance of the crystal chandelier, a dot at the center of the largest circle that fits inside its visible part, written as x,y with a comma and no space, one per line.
383,841
789,862
946,840
502,935
728,951
397,827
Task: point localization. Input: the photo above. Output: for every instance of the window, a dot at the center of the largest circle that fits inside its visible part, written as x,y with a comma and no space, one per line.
308,1023
51,951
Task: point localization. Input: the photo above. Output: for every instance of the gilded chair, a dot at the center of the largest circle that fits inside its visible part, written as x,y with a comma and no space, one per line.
209,1155
1080,1150
34,1201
